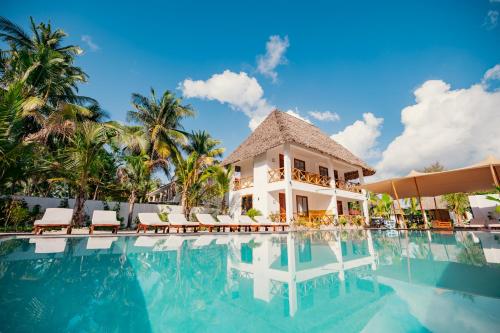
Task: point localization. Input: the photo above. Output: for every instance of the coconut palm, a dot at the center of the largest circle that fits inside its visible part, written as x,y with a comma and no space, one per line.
192,182
458,203
222,180
381,206
135,178
202,143
161,119
80,162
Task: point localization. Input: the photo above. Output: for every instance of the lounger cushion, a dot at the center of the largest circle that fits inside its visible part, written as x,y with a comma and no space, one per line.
151,219
104,217
265,220
206,219
245,219
226,219
180,219
56,216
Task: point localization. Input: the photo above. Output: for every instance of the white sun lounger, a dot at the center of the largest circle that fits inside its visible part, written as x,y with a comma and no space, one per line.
104,218
265,222
179,221
248,221
49,245
202,241
100,243
227,220
54,217
151,220
493,225
207,220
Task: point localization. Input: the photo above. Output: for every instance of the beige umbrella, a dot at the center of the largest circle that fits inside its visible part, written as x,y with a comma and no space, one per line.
482,176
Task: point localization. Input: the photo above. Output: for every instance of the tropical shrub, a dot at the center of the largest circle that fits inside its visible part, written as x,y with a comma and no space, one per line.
252,212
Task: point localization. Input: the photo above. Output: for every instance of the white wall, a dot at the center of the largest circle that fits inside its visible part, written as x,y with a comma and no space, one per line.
481,207
91,205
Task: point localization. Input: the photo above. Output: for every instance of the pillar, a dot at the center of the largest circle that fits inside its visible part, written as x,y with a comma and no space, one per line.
288,183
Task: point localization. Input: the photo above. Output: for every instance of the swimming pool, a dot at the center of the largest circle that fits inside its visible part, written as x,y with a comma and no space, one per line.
343,281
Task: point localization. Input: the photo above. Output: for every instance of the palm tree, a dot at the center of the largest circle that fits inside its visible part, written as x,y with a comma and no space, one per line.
192,180
161,119
42,62
381,206
202,143
458,203
135,178
222,178
80,162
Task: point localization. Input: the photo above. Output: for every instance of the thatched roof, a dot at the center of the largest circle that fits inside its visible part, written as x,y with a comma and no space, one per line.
279,128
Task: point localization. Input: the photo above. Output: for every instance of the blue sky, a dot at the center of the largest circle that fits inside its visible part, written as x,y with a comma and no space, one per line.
349,59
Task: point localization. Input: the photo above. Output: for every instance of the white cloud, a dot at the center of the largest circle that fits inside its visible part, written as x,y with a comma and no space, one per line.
240,91
275,55
491,19
297,114
88,40
492,73
361,136
455,127
325,115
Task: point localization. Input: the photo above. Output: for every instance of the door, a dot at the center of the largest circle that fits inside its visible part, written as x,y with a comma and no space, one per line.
282,206
302,206
340,210
282,166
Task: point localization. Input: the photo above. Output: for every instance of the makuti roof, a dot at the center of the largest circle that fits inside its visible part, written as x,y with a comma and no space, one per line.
280,128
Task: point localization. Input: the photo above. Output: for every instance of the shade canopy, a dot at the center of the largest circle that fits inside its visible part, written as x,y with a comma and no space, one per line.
483,176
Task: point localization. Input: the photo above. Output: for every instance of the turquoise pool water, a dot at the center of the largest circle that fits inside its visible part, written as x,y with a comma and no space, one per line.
372,281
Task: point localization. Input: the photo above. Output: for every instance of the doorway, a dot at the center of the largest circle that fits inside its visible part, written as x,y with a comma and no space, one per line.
282,207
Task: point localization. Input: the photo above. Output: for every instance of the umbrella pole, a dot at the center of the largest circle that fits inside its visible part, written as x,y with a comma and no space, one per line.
399,204
426,222
493,173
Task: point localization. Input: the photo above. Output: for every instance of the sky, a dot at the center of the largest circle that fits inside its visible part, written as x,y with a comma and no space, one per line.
402,84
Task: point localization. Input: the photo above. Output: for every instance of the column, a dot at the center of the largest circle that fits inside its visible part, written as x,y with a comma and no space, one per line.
366,212
288,183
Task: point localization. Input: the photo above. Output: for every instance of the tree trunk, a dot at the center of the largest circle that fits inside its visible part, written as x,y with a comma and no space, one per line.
223,205
185,206
131,202
78,212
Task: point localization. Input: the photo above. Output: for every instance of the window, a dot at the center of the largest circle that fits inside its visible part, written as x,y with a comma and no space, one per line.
299,164
323,171
246,203
302,206
336,175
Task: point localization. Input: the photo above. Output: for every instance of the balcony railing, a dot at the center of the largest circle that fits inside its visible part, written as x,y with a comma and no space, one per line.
275,175
241,183
310,178
347,186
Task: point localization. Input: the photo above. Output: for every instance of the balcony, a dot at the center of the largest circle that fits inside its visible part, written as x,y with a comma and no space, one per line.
347,186
241,183
275,175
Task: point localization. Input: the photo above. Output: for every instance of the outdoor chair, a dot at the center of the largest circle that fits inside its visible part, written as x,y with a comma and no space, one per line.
151,220
265,222
104,218
179,221
207,221
53,218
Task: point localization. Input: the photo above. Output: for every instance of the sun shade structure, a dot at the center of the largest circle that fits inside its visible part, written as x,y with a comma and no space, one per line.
482,176
280,128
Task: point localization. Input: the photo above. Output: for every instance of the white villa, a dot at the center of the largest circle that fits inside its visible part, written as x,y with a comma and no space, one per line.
288,168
